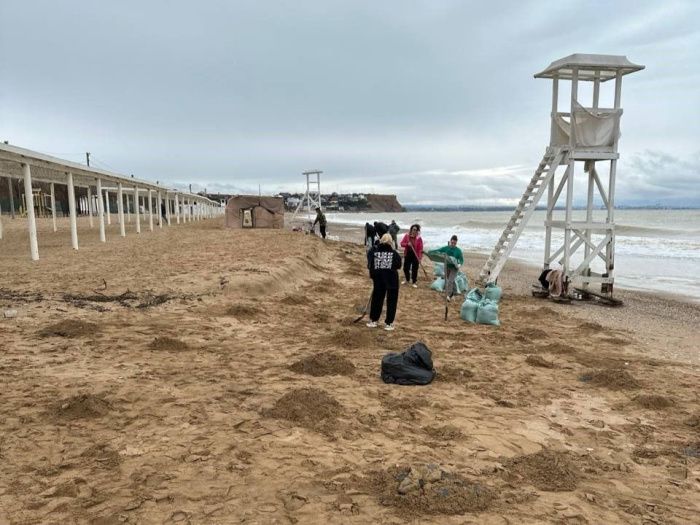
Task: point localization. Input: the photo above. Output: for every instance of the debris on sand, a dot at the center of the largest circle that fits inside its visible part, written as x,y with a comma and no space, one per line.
454,374
547,470
558,348
69,328
324,364
102,455
654,401
611,378
295,300
539,361
242,311
427,489
444,433
81,406
168,343
307,407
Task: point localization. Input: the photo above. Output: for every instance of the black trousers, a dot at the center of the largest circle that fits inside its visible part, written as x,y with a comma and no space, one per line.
323,230
392,299
410,266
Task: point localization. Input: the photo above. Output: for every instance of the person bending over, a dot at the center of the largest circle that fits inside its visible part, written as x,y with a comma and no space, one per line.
453,260
383,263
412,245
321,220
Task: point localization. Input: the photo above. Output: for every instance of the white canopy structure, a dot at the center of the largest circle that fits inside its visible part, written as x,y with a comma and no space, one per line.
32,166
587,134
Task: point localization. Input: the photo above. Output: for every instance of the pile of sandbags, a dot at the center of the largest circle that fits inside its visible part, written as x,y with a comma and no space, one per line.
482,308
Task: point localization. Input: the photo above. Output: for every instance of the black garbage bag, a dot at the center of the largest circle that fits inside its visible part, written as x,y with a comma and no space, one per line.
413,366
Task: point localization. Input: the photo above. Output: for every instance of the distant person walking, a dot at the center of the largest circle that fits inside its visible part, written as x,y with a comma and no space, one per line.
453,260
412,245
321,220
394,230
383,263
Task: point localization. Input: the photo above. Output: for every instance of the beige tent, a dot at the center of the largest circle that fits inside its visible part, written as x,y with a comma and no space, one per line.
252,211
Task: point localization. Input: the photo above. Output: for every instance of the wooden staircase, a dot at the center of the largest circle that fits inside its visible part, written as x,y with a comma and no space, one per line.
540,180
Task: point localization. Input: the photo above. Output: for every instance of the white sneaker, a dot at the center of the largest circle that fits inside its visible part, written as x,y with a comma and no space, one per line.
403,282
449,299
372,324
389,327
415,285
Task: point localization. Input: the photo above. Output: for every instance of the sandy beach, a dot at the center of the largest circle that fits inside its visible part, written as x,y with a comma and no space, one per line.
203,375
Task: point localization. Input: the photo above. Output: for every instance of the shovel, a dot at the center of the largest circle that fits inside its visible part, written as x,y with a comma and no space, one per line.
366,309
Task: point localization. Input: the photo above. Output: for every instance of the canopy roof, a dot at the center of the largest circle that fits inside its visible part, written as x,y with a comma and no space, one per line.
606,66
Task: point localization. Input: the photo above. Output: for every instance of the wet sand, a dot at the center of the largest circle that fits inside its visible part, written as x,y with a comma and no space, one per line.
201,375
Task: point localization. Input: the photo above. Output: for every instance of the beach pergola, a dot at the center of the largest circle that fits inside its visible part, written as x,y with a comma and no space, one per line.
586,134
31,167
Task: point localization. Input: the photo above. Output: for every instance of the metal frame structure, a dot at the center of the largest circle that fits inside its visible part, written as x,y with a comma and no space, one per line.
568,149
312,197
31,166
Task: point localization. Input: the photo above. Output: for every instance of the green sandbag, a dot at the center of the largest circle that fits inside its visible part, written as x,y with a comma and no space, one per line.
493,292
488,313
469,310
474,295
439,269
461,283
438,285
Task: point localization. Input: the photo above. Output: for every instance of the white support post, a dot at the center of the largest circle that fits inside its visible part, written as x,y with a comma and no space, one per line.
89,205
120,209
185,211
109,212
570,178
72,212
31,218
160,209
589,209
177,209
167,207
136,209
150,210
100,211
128,207
53,207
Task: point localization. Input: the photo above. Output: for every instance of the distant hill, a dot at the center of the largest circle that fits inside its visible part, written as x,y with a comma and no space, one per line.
383,203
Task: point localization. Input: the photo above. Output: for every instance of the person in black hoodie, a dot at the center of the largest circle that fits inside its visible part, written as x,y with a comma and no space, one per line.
384,263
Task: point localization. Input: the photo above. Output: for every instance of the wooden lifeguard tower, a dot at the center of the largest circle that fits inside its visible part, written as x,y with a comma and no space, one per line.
312,197
585,135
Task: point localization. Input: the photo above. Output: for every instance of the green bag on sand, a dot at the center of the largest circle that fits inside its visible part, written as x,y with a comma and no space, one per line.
438,285
468,311
488,313
461,283
474,295
493,292
439,269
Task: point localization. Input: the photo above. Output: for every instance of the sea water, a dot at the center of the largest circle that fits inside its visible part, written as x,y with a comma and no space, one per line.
656,250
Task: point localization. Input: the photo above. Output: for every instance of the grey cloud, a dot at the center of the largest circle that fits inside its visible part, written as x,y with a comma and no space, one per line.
246,93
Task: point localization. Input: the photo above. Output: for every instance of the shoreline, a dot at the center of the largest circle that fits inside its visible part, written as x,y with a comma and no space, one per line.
354,234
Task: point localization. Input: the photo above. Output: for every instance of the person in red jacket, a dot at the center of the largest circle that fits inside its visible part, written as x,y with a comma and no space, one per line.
412,245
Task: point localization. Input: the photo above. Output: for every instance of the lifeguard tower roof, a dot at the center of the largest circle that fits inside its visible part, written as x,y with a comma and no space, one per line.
606,66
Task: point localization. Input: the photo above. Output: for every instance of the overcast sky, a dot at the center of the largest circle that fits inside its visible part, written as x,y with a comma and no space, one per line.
432,100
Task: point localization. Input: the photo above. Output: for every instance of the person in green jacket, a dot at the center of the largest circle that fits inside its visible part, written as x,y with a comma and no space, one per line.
321,220
453,261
